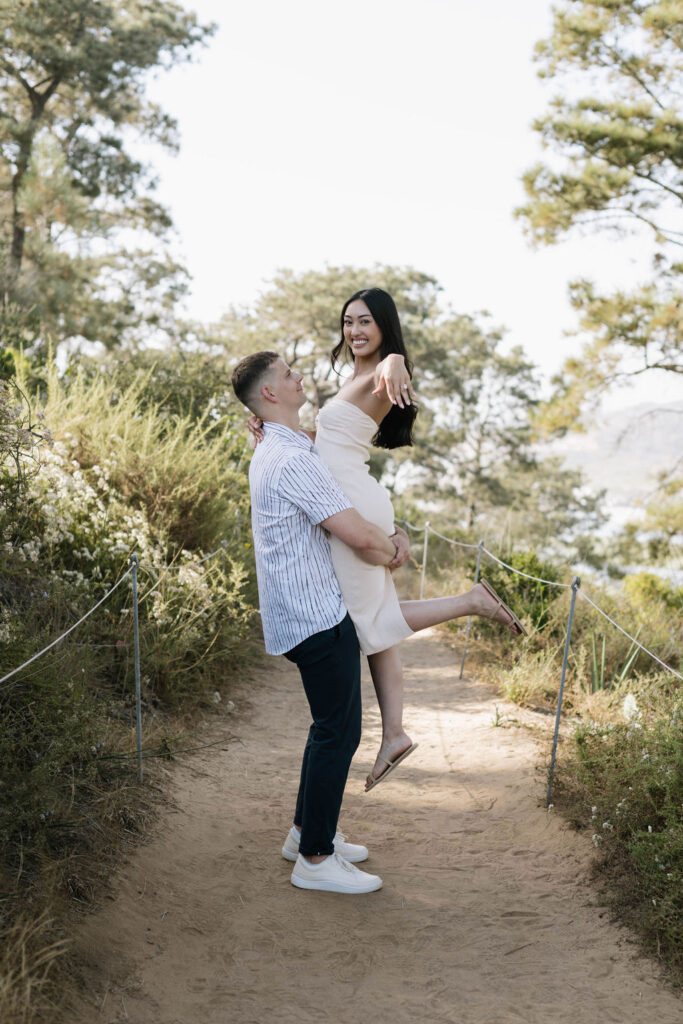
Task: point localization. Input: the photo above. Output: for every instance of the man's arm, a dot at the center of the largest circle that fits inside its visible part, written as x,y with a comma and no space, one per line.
366,539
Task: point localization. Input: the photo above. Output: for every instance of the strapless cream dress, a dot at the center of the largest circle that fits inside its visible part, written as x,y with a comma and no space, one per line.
343,440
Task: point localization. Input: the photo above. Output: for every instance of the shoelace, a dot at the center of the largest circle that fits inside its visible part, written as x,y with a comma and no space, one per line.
344,863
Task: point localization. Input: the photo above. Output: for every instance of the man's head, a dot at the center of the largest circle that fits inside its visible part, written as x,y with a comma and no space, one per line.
266,385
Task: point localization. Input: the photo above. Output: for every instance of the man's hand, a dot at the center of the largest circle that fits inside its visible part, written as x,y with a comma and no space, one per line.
402,545
392,374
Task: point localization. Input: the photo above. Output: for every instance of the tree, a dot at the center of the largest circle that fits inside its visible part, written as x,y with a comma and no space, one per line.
474,455
618,129
476,440
72,194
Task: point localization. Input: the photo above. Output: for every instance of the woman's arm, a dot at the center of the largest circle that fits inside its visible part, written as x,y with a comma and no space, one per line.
391,374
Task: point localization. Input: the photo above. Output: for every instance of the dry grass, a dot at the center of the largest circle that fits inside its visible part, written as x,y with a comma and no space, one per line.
28,953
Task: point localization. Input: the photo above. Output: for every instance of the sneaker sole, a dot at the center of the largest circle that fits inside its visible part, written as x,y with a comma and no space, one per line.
304,883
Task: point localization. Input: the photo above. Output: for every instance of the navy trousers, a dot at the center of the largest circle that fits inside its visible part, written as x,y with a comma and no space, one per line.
329,663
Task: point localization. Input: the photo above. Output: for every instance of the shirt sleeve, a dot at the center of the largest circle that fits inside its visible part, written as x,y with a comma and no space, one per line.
306,481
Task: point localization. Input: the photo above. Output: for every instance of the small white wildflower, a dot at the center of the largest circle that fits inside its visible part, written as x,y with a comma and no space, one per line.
597,839
607,826
630,709
649,828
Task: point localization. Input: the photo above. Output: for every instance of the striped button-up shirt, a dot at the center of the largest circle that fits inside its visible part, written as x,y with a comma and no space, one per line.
292,491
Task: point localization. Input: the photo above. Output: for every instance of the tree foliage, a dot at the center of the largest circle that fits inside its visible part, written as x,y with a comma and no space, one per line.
76,203
617,129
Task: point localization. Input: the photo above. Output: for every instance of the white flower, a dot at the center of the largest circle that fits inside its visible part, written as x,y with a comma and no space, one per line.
630,709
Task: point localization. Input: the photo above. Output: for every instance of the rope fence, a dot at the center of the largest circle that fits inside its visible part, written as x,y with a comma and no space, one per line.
69,630
585,597
427,529
134,565
574,586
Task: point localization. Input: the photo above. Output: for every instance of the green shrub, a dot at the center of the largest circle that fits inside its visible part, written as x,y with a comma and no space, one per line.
529,599
624,779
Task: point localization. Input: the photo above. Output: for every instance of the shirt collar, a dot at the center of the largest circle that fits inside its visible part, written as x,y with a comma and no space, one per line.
297,436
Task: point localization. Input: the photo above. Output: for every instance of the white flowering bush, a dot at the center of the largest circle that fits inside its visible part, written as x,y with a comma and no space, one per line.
121,478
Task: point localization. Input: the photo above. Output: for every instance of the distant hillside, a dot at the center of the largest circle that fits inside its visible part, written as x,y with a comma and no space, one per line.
625,450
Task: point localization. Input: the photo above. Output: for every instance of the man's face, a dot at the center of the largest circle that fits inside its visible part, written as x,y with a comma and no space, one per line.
286,385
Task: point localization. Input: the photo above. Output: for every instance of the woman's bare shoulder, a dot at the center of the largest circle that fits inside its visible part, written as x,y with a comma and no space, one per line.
358,392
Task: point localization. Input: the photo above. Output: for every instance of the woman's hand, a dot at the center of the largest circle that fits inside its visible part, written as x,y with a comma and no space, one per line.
392,374
255,428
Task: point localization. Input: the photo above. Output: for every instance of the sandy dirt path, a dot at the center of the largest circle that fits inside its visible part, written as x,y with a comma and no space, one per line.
486,915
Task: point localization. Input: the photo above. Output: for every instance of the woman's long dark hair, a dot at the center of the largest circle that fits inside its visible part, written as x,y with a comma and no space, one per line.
396,429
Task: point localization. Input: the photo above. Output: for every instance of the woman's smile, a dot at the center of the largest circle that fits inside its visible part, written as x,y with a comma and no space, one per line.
357,319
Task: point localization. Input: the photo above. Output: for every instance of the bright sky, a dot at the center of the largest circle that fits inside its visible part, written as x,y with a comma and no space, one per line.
390,131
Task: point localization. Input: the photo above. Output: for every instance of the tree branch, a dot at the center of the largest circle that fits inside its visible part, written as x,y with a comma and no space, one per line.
625,66
659,184
14,73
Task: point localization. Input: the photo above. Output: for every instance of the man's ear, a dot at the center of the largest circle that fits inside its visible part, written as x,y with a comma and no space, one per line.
267,393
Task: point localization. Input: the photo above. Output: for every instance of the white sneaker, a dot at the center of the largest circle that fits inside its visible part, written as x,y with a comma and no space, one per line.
334,874
352,852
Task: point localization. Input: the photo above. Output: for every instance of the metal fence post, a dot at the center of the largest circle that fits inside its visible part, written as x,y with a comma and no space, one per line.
424,561
480,548
576,583
136,647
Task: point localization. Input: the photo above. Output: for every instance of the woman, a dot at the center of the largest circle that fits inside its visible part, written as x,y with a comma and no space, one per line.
374,407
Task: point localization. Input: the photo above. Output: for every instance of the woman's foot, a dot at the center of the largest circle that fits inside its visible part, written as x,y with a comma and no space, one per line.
388,753
491,606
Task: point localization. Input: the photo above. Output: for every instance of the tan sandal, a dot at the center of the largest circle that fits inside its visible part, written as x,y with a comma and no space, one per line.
390,767
515,626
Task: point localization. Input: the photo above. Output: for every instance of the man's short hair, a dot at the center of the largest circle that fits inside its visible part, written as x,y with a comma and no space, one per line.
247,375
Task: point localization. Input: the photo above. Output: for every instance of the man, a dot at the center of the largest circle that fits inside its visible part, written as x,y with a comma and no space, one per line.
294,500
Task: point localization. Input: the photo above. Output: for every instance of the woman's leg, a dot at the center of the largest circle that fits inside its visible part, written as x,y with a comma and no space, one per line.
387,676
430,612
387,672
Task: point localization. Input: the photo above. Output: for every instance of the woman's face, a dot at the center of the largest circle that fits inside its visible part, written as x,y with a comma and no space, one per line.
361,333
